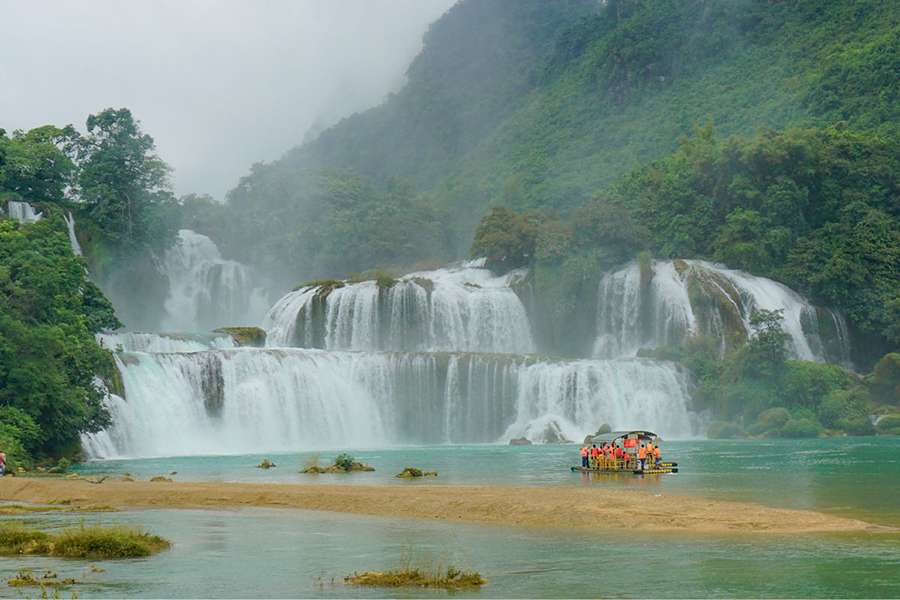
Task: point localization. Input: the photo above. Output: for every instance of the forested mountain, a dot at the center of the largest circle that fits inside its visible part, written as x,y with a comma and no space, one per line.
540,105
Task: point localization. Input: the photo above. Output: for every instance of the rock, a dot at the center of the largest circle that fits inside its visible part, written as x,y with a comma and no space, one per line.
160,478
522,441
127,477
266,464
412,472
553,435
409,473
354,467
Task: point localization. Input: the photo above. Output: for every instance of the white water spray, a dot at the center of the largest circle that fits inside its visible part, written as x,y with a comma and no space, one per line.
464,308
205,290
261,400
683,298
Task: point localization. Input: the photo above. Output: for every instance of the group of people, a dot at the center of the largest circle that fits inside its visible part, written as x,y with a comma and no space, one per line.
614,457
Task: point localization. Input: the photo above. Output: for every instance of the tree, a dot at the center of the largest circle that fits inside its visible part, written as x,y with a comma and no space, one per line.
506,238
49,313
123,182
765,353
37,164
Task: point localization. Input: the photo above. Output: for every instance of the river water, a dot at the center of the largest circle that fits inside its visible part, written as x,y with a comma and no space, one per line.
279,553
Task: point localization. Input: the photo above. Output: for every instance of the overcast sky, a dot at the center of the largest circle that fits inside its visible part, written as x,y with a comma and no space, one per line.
220,84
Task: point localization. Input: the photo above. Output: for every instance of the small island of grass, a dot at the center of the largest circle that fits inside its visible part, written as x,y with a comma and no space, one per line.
451,579
80,542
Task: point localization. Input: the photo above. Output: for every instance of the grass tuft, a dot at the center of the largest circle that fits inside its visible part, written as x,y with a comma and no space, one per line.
451,579
80,542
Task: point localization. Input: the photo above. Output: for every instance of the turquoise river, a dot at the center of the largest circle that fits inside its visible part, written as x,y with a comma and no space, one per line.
290,553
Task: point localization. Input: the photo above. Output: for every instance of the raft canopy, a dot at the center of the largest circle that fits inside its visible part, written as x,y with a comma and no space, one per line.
616,435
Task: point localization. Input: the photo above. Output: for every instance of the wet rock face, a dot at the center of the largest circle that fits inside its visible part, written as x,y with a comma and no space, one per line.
212,384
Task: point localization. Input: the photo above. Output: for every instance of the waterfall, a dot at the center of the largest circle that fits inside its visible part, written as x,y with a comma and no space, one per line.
133,341
205,290
247,400
682,298
23,212
73,240
464,308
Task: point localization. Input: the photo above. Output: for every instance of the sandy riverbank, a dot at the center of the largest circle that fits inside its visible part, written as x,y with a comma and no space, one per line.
564,507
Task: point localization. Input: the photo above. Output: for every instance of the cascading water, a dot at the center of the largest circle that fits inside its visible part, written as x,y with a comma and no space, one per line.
464,309
435,357
73,240
672,300
205,290
252,400
133,341
23,212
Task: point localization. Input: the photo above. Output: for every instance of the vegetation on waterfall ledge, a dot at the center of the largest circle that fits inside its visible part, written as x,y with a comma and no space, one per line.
253,337
755,390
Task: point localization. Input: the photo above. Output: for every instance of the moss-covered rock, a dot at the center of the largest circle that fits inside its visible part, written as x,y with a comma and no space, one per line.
330,284
424,283
252,337
413,473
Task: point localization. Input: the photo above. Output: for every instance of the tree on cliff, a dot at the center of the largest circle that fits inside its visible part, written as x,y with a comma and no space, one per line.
124,182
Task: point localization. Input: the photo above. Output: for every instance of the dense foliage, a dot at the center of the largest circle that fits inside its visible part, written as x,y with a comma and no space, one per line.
816,209
754,389
49,311
541,106
123,184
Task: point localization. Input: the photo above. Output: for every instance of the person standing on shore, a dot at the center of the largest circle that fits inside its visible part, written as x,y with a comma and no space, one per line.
2,463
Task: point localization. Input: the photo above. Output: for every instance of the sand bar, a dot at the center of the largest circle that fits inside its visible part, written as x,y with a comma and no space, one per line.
551,507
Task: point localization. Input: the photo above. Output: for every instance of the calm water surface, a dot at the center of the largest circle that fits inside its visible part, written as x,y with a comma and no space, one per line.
279,553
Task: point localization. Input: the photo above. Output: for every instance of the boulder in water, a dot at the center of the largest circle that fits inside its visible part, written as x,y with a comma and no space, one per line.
266,464
343,463
554,435
521,441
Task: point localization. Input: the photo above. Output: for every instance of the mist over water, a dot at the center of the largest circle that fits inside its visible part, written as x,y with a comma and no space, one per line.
207,291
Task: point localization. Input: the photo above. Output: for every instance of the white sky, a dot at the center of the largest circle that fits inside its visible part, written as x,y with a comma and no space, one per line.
219,84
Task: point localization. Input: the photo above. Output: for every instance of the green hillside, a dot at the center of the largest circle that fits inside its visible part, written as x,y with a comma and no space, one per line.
534,104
